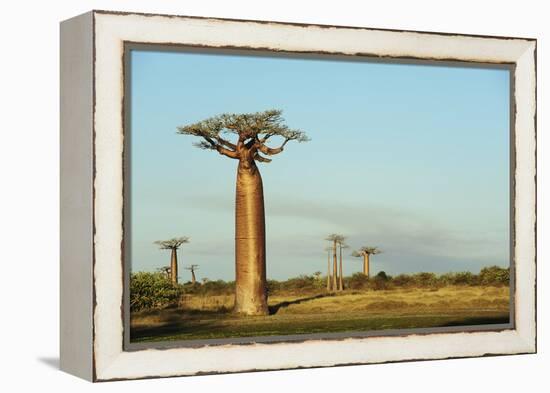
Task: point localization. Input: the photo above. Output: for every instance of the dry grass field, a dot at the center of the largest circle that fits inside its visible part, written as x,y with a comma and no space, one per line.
207,317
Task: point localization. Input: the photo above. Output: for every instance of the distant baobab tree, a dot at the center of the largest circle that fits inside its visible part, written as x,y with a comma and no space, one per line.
173,245
335,239
342,245
192,269
366,252
328,249
252,133
165,270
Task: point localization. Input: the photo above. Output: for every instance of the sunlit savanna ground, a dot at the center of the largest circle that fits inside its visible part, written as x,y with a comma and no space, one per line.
208,317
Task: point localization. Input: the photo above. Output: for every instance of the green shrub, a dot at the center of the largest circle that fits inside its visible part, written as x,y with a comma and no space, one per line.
357,281
152,290
300,283
380,281
494,275
464,278
425,279
446,279
273,286
218,287
403,280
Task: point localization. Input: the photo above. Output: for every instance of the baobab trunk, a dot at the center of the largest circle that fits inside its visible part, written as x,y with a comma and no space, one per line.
366,265
250,282
193,278
334,268
328,270
174,266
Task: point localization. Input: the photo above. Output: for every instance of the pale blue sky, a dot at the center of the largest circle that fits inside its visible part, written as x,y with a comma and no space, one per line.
410,158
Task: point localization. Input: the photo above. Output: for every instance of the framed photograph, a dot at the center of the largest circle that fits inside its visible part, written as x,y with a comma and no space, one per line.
246,195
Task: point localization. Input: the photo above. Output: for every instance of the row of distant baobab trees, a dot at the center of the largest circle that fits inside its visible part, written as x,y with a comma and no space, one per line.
335,279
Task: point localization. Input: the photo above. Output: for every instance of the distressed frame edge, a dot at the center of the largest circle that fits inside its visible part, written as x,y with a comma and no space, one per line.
305,24
256,370
526,123
528,339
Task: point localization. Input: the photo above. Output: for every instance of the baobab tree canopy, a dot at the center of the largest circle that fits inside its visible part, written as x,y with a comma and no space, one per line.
171,244
366,251
334,237
253,130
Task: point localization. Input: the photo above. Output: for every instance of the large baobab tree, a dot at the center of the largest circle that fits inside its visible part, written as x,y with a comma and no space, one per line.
335,239
366,252
192,269
249,145
173,245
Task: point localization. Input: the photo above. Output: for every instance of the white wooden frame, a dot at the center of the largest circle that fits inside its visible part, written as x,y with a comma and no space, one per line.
92,194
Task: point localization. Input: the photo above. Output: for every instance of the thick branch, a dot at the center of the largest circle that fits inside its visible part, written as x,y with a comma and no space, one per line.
211,141
227,152
260,158
211,144
270,151
226,143
265,138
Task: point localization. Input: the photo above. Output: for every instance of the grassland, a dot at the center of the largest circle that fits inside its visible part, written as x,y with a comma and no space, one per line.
208,317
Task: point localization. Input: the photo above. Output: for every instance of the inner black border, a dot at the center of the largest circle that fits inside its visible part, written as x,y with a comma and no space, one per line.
263,52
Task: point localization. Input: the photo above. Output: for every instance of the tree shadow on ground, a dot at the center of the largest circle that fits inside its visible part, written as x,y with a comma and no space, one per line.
276,307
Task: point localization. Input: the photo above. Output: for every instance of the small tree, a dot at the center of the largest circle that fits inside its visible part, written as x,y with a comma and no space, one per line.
173,245
318,280
192,269
366,252
165,270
